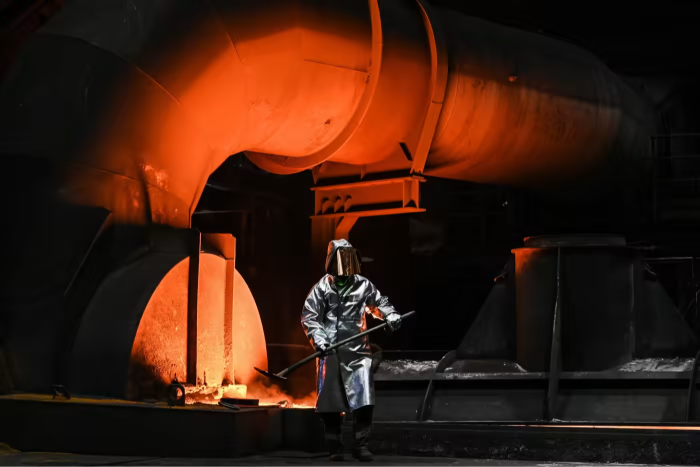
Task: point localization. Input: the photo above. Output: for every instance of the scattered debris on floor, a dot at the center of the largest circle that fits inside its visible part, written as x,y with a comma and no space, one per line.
658,364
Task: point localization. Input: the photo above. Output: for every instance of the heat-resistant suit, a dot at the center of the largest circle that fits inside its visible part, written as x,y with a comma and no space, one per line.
330,315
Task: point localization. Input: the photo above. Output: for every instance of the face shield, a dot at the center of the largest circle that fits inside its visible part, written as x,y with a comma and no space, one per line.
347,262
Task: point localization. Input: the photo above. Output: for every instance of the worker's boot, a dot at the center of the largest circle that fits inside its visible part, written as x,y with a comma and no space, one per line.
337,454
332,424
362,426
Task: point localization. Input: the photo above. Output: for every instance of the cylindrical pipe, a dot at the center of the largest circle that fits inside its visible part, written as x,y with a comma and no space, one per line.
528,110
138,103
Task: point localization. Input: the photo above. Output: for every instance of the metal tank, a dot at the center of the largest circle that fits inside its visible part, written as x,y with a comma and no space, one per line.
594,278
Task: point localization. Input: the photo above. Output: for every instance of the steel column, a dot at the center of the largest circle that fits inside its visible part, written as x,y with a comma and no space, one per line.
343,228
225,245
555,356
192,306
438,85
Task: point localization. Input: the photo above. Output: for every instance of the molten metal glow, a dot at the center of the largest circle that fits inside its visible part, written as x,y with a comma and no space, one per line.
268,396
212,394
249,346
272,395
159,352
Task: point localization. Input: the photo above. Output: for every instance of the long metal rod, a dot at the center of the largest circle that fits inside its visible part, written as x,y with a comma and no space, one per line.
314,356
342,343
555,356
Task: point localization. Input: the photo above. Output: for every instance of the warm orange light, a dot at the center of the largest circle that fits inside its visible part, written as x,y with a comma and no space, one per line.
159,352
273,395
249,346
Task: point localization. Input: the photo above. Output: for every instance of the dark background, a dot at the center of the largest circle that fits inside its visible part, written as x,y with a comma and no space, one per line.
442,263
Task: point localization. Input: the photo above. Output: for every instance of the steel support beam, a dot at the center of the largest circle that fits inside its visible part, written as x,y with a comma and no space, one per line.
338,207
438,85
555,355
225,245
192,306
343,228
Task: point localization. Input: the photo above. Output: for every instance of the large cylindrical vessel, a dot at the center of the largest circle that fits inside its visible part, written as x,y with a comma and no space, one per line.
138,104
528,110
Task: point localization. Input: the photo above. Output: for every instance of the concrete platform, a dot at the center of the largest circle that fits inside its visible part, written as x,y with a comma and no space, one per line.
141,434
10,457
99,426
679,444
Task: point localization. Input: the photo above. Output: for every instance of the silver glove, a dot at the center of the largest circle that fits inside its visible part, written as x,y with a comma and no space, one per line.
393,320
323,349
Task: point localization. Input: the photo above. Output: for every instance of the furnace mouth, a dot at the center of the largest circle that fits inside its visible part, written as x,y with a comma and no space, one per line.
230,341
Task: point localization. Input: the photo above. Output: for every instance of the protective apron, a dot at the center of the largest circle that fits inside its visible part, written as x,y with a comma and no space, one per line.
344,378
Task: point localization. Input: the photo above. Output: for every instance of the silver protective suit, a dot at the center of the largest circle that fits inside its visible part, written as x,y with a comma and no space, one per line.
329,317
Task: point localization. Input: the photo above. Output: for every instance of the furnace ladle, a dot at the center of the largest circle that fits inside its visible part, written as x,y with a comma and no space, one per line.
282,375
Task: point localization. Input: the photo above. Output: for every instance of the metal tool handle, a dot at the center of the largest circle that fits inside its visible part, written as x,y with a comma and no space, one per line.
338,344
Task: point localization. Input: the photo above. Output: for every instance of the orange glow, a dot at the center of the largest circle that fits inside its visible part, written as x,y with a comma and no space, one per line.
267,395
617,427
160,346
250,348
212,394
210,320
273,395
297,84
159,352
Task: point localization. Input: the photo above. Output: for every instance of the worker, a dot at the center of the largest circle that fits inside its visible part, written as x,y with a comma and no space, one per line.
335,310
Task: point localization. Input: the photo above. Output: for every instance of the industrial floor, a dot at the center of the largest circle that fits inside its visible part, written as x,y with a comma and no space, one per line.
8,456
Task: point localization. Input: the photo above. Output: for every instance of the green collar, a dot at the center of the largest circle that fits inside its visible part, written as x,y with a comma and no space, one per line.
342,284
